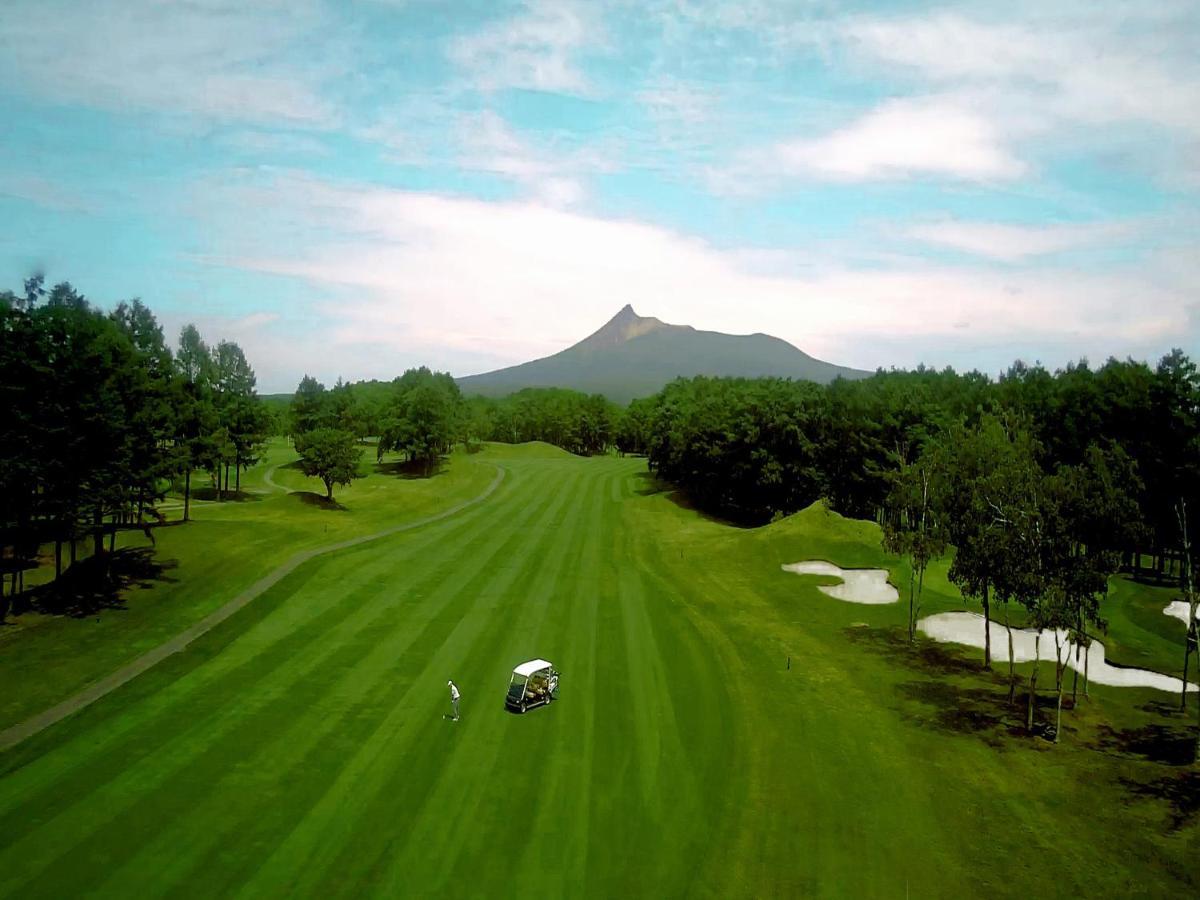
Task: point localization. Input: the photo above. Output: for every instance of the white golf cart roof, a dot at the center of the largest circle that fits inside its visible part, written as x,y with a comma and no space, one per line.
526,669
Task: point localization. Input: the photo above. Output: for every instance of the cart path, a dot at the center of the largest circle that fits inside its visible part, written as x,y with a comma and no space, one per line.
269,480
15,734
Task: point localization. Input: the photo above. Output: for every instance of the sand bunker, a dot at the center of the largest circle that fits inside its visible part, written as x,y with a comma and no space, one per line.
858,585
967,628
1178,609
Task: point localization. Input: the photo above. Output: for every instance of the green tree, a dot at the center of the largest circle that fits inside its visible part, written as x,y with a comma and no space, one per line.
196,414
331,455
310,407
913,525
425,417
991,480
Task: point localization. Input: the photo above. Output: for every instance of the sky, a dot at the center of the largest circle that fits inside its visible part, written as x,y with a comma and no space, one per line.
352,188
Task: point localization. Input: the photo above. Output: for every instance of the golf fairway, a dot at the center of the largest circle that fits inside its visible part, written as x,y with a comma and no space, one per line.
302,747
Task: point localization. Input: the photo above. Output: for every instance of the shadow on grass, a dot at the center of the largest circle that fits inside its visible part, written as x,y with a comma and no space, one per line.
231,496
308,498
1152,578
955,709
100,582
1180,790
409,470
922,654
651,485
960,696
1154,742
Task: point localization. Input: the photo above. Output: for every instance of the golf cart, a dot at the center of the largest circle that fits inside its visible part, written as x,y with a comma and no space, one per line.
533,683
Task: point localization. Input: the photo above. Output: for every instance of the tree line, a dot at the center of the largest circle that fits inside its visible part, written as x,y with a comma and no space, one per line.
422,415
101,418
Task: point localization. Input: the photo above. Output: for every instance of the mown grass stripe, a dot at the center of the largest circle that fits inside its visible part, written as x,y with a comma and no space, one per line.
13,735
326,828
287,651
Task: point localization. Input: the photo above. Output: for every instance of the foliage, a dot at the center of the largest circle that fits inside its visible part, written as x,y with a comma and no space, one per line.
582,424
423,418
914,525
329,454
100,417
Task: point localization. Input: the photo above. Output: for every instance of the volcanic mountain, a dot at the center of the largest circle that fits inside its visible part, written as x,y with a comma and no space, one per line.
635,356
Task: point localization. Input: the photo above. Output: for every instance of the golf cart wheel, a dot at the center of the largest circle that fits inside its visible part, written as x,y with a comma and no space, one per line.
523,706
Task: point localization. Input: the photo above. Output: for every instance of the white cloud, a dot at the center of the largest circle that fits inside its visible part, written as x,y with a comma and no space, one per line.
218,59
552,174
1062,66
455,279
533,50
905,138
1012,243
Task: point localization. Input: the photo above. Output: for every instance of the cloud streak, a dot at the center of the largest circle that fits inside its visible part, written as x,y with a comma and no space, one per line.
223,61
534,49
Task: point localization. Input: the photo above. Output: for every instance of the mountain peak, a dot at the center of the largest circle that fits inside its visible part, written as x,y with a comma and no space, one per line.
625,325
634,356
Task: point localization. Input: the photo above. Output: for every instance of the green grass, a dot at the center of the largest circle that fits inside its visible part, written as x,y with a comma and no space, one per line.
207,562
301,748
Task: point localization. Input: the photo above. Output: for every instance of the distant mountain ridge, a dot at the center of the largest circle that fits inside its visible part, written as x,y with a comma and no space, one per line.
635,356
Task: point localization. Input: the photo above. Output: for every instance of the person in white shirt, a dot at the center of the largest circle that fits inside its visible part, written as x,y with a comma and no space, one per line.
454,695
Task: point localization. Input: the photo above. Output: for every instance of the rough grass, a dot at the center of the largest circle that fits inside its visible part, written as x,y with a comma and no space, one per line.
301,748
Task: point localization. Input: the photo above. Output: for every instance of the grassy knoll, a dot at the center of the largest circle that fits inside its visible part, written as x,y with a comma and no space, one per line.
301,747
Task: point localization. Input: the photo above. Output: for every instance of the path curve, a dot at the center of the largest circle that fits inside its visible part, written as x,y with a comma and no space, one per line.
270,482
13,735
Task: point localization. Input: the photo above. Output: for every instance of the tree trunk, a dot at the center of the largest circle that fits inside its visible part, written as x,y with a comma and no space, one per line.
920,591
1058,712
72,548
1012,663
187,493
57,557
987,630
1037,664
112,538
237,476
1187,654
1087,658
97,532
328,490
912,601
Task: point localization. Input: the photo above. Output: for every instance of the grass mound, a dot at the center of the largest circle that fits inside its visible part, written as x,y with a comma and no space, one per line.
528,450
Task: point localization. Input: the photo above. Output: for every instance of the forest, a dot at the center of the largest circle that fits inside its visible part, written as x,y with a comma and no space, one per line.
101,419
753,449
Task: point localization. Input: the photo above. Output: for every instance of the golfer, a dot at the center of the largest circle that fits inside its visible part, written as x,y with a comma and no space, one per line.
454,695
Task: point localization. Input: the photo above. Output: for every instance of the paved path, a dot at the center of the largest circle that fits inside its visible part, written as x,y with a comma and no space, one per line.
269,481
12,736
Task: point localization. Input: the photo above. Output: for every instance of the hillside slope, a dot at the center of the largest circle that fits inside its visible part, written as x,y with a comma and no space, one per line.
634,356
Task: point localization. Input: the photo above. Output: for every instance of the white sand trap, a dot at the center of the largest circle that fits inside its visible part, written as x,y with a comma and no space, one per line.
858,585
967,628
1178,609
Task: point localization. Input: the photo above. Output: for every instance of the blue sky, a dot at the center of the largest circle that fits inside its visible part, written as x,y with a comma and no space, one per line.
352,188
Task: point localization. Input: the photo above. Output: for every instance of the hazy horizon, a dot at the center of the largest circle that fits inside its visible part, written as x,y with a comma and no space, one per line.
353,189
